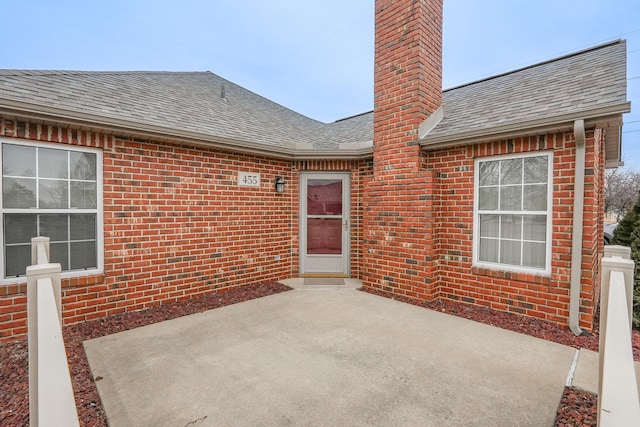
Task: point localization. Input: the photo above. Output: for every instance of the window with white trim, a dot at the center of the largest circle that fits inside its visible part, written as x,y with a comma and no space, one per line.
53,192
512,212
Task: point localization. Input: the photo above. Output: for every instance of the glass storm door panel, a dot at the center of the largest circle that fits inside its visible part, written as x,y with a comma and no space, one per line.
324,223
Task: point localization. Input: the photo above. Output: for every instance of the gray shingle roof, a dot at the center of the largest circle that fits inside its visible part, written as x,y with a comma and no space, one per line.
199,102
574,84
210,107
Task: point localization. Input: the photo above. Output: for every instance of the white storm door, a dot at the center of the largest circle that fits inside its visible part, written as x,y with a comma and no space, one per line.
324,224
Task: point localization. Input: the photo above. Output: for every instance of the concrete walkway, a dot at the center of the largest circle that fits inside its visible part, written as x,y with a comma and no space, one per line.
327,356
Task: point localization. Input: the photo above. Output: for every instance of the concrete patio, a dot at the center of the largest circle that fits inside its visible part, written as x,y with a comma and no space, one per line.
328,355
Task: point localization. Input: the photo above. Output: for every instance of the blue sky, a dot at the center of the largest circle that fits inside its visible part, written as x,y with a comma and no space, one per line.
313,56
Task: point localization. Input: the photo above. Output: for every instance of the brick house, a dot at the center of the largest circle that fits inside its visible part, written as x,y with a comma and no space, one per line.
157,187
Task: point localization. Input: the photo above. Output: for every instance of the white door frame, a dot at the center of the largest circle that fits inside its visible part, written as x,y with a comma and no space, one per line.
326,265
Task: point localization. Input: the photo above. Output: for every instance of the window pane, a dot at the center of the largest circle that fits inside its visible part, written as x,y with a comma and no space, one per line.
510,252
511,198
535,197
489,225
40,179
534,255
535,169
489,173
488,250
535,228
19,193
324,236
83,255
83,227
518,186
17,258
488,198
511,226
20,228
52,163
324,197
18,160
84,195
511,171
83,166
60,253
54,194
55,227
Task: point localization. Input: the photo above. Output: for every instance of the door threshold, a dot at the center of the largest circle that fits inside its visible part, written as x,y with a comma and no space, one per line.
325,275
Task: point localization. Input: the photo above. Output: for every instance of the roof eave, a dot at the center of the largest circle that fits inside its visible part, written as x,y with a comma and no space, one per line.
91,122
114,126
342,153
533,127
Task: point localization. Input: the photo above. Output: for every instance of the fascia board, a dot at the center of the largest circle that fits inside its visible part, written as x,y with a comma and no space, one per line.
334,154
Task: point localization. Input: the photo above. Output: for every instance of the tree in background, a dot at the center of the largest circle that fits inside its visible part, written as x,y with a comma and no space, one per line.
628,234
622,234
621,189
635,256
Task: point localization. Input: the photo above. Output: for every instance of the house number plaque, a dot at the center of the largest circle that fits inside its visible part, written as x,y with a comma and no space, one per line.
248,179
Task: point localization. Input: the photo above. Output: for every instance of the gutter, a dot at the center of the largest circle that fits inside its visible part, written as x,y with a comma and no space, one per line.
578,217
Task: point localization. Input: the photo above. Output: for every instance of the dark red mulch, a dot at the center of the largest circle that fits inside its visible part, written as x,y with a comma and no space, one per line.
577,408
14,375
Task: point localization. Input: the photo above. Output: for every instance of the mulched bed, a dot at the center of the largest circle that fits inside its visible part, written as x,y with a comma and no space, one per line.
576,408
14,373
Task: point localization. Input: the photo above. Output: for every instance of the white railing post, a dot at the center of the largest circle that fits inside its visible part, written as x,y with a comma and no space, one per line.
32,343
32,324
46,345
617,258
39,243
617,388
40,254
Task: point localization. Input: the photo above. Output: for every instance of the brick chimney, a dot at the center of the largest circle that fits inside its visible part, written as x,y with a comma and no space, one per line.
398,220
408,77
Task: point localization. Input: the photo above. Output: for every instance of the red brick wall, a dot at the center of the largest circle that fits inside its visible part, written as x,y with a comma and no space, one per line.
230,234
176,225
593,232
454,277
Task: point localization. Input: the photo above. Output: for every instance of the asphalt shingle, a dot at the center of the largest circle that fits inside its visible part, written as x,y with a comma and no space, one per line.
205,104
575,83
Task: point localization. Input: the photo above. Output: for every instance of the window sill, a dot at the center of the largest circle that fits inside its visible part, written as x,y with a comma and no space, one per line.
530,277
18,285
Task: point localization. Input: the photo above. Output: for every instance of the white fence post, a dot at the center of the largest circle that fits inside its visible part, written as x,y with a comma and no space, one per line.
40,254
32,325
618,390
617,258
48,363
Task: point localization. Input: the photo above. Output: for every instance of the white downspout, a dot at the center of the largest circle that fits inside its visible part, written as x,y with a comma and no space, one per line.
578,217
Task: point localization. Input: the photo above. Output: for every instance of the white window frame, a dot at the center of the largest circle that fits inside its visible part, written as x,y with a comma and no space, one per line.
549,214
98,211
